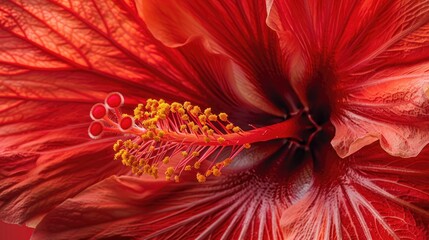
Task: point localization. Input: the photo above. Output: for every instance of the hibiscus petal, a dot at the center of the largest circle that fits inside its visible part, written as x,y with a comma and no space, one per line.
393,107
369,195
46,155
243,205
372,57
59,58
238,30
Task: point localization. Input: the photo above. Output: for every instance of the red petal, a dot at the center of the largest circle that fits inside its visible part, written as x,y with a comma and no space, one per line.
392,107
243,205
236,29
105,38
373,57
369,195
110,40
57,60
46,155
155,210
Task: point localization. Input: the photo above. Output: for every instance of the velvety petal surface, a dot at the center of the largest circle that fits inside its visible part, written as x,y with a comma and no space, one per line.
57,59
236,29
244,205
371,57
368,195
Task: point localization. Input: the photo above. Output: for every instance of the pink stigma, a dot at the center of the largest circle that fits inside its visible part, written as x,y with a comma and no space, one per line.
95,129
98,111
114,100
126,123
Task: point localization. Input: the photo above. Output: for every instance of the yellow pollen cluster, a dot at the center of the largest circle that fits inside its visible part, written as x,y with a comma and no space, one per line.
179,134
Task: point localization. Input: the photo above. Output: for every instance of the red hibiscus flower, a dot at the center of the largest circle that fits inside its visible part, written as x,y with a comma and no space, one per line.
331,98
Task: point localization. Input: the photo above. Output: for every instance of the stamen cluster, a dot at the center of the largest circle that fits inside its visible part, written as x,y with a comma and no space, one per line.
175,137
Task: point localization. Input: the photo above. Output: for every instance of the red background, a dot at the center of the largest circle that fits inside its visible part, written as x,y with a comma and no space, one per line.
14,232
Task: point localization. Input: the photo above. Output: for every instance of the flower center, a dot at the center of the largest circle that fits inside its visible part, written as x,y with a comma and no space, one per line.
182,137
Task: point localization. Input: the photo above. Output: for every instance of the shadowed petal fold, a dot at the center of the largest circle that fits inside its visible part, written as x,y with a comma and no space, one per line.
236,29
371,57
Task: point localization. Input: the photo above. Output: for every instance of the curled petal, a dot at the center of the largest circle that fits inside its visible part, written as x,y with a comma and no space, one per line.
393,109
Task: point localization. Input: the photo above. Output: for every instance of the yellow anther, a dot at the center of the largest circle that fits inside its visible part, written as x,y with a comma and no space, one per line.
227,161
236,129
157,139
134,163
151,148
247,145
150,134
169,171
216,172
176,178
185,117
154,171
220,140
181,111
204,128
201,178
134,170
145,137
213,117
197,165
186,104
161,133
210,132
208,111
142,162
119,154
125,155
203,119
208,173
167,178
188,168
182,127
195,154
191,125
166,160
146,168
189,109
174,107
223,116
162,116
195,111
206,139
184,153
128,144
195,128
164,106
117,145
